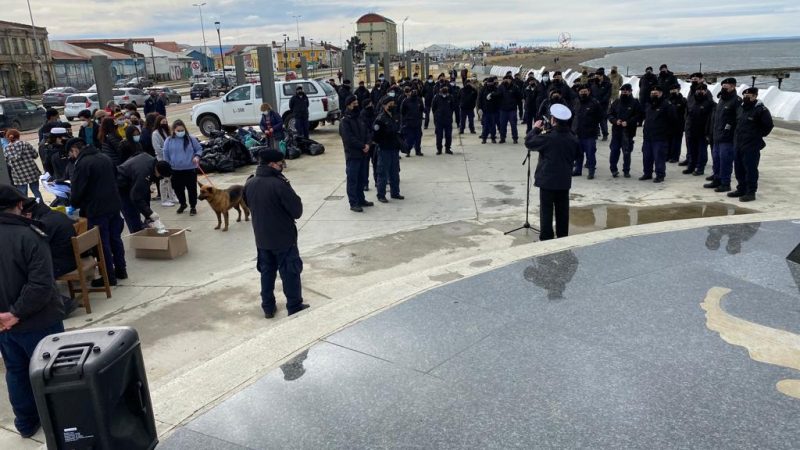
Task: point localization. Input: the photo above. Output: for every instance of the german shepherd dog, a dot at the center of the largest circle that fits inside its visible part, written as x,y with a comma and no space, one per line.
222,201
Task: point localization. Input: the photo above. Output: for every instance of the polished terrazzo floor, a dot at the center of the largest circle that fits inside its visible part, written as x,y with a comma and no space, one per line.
672,340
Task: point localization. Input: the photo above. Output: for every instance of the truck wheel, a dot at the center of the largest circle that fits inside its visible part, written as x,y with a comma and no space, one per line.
208,124
288,121
313,125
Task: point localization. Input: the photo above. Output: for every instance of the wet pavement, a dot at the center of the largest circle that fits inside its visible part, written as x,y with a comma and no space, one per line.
679,339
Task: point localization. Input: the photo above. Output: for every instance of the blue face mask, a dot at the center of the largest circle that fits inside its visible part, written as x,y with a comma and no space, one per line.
180,134
137,138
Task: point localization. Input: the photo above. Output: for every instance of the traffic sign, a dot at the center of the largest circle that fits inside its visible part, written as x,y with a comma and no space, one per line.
195,67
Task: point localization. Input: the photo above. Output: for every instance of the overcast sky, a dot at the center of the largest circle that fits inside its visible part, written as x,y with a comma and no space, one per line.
460,22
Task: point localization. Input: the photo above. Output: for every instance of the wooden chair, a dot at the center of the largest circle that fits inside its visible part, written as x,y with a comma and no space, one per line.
81,226
85,267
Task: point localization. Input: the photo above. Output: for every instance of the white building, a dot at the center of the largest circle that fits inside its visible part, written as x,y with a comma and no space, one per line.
441,52
378,33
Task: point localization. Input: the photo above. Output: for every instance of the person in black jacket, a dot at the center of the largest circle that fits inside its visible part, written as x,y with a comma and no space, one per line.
601,91
676,136
646,84
361,93
30,305
520,85
94,190
561,86
427,96
666,79
275,207
110,142
298,104
355,140
509,97
699,115
753,124
544,108
542,93
411,112
455,96
345,91
723,132
443,107
488,104
367,117
134,178
387,137
59,229
588,115
530,103
467,101
625,114
659,119
155,103
557,149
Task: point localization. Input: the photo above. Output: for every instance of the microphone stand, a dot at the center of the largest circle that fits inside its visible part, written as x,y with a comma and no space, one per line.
527,224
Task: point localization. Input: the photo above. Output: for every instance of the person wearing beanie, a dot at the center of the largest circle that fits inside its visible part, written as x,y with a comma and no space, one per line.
411,113
699,114
488,104
723,132
666,79
509,96
386,135
659,121
59,229
355,140
274,208
625,114
587,116
600,90
616,82
443,109
754,123
646,83
676,135
345,91
30,306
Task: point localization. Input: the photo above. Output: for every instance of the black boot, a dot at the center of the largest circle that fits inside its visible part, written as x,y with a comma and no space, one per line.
723,188
714,184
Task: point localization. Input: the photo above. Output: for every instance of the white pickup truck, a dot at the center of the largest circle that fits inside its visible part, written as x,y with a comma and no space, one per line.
241,106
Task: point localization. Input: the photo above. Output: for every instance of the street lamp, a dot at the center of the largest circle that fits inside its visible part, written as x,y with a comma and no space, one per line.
221,55
203,30
297,22
403,26
285,53
36,49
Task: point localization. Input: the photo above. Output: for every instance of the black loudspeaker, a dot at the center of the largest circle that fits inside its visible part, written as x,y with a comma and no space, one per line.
794,256
91,391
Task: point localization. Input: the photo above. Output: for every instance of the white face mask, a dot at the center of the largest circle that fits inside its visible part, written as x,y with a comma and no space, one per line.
137,138
391,94
180,134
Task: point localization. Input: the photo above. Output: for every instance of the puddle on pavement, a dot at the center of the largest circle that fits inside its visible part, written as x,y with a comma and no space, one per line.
600,217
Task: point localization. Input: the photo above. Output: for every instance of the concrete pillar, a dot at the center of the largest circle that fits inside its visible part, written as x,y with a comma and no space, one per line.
267,72
368,69
409,67
4,178
387,66
102,78
426,64
377,60
304,67
241,76
348,66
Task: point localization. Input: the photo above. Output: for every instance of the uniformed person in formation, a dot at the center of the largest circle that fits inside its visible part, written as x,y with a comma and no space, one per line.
387,136
557,149
753,124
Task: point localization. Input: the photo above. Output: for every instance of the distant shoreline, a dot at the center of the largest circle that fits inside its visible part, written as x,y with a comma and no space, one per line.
567,58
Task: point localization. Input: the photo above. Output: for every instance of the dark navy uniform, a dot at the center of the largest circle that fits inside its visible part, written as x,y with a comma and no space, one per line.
724,127
626,109
411,112
587,118
699,116
467,101
488,103
443,110
753,124
676,136
658,122
386,134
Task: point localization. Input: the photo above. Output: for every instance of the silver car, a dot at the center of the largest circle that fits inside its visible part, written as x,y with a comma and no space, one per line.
134,96
56,96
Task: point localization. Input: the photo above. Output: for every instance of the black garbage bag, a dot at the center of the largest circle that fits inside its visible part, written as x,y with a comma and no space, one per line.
226,165
292,152
304,144
316,149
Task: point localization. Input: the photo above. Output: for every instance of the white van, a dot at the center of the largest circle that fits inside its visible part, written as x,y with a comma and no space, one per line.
241,106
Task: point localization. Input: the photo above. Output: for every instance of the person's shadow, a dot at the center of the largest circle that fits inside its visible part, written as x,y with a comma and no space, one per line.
294,369
552,272
737,234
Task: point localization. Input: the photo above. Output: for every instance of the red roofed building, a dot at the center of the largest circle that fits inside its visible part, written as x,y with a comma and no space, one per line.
379,33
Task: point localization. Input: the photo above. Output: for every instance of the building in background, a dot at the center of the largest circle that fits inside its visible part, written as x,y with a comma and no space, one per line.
72,64
442,52
378,33
317,54
196,54
26,66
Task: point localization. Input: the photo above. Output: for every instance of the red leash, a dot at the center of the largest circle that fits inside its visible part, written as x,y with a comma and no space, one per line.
204,175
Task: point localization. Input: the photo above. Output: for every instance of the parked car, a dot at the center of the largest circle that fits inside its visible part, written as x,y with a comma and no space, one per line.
122,82
78,102
241,106
92,88
200,90
21,114
128,95
139,82
170,95
56,96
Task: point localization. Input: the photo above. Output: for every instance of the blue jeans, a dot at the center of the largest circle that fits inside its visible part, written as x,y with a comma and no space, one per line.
34,189
722,161
357,172
17,350
111,226
301,126
444,130
388,171
655,153
413,138
131,214
489,124
696,153
467,114
508,117
589,148
620,144
289,264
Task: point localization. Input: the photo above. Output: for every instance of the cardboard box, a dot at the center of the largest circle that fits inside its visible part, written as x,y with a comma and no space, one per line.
151,245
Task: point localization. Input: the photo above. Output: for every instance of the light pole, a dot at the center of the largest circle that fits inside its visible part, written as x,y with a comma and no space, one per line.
203,30
285,53
297,22
36,49
403,26
221,55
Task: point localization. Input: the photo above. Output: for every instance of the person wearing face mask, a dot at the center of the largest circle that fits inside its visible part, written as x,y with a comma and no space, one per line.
154,103
601,91
625,114
520,85
646,84
659,121
427,97
753,124
616,83
160,134
696,79
467,101
723,132
666,79
298,104
489,104
132,144
676,134
544,108
509,96
559,84
367,117
386,134
90,130
134,178
361,93
53,154
182,152
345,91
699,114
355,140
275,207
384,83
587,117
110,141
455,96
443,107
272,125
529,94
542,92
93,189
121,121
411,112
